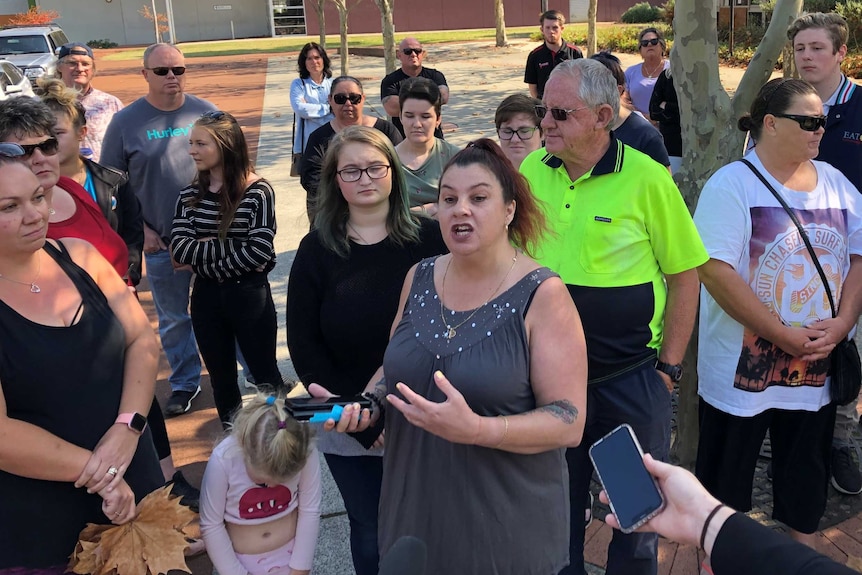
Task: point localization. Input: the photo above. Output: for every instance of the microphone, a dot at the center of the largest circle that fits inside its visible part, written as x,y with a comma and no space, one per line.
406,557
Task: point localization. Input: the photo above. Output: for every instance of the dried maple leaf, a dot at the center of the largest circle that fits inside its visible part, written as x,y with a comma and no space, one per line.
151,544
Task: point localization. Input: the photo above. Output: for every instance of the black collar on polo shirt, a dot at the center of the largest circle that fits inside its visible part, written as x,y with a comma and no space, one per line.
610,162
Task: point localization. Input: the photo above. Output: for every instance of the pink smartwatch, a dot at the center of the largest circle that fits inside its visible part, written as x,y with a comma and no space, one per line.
135,421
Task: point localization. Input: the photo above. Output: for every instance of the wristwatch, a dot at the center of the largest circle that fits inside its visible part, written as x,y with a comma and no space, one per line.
674,371
135,421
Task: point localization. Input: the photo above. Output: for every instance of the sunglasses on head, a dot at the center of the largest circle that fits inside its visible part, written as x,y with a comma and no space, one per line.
342,99
48,147
213,115
408,51
10,150
807,123
559,114
650,42
163,70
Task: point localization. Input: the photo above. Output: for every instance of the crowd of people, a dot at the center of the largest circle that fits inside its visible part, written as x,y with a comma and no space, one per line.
500,308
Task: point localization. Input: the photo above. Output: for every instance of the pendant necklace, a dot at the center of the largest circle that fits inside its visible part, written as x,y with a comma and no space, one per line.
656,69
452,330
358,235
34,288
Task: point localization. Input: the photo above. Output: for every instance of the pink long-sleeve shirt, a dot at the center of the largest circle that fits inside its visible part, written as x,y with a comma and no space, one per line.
229,495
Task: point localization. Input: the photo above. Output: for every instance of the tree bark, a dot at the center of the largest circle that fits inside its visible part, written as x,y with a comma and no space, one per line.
345,52
321,17
500,23
387,25
710,139
592,35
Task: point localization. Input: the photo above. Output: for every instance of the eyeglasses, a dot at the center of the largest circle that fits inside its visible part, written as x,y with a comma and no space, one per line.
163,70
408,51
10,150
650,42
213,115
524,133
375,172
48,147
342,99
807,123
559,114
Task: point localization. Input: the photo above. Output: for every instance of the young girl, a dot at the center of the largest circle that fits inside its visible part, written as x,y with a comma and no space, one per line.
260,498
224,229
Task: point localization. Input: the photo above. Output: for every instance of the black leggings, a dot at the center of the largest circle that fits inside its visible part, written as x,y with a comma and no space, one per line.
224,314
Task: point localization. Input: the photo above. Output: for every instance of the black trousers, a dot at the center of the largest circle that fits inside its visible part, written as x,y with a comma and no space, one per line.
226,313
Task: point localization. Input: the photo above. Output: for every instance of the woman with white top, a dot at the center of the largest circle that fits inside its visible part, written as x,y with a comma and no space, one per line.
309,94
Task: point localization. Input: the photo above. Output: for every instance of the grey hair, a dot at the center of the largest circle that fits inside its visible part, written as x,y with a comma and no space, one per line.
153,47
597,85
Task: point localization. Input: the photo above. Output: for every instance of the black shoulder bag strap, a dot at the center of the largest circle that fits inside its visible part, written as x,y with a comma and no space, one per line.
301,128
802,232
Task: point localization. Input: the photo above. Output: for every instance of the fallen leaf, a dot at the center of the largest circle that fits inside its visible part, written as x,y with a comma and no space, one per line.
151,544
854,562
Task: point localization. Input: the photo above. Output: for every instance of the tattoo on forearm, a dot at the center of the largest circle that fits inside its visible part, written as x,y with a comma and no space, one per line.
562,409
380,391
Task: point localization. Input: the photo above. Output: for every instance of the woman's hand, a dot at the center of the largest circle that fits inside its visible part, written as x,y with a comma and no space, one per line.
797,341
352,419
118,503
687,504
453,420
113,452
834,329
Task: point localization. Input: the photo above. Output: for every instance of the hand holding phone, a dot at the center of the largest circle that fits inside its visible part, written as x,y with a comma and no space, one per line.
633,494
320,409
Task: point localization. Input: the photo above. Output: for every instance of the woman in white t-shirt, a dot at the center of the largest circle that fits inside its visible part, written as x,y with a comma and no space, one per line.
766,327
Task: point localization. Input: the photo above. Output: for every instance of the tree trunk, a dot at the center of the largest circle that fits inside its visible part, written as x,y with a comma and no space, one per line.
345,54
500,23
321,17
710,138
592,36
387,25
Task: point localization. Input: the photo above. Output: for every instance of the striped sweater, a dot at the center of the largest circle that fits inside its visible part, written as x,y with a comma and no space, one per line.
248,246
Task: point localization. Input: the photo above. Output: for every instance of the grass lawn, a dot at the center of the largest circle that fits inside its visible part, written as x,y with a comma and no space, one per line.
295,43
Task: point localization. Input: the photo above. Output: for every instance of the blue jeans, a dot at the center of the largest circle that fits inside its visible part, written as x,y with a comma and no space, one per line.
358,479
639,398
171,296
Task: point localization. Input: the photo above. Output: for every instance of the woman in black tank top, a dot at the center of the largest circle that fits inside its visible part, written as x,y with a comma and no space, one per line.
77,360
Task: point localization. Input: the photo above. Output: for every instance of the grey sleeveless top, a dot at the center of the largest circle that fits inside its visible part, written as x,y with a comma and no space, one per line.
479,510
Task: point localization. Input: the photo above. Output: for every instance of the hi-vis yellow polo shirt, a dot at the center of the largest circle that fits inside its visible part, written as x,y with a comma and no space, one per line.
617,231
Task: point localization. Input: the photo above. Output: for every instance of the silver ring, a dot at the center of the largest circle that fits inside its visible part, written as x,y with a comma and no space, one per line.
112,471
118,513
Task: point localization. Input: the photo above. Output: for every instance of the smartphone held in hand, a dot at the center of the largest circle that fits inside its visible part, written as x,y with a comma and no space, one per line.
320,409
633,493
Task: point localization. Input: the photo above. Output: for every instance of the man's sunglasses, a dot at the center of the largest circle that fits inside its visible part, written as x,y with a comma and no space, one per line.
807,123
408,51
342,99
48,147
163,70
559,114
650,42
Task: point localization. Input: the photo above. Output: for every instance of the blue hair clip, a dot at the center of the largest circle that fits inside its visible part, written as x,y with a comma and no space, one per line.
270,400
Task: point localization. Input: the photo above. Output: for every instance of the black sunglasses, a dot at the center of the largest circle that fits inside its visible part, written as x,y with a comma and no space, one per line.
342,99
650,42
48,147
213,115
10,150
807,123
163,70
559,114
408,51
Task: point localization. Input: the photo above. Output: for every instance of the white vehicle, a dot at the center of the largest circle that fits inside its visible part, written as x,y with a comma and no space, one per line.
32,48
12,82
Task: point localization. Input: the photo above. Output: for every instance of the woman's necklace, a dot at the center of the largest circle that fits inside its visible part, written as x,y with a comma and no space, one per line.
656,70
358,235
34,288
452,330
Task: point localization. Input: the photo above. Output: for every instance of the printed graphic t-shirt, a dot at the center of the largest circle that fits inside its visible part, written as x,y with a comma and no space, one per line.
743,225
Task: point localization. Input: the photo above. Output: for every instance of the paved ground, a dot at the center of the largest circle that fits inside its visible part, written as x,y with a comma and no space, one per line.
255,89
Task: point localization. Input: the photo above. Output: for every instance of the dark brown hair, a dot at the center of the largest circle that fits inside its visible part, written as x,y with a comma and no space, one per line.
775,97
528,225
303,54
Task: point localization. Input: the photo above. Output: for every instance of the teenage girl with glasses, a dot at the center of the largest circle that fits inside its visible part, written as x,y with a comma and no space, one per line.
342,297
223,230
